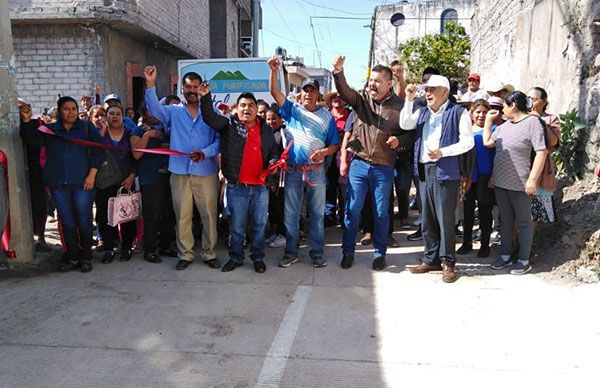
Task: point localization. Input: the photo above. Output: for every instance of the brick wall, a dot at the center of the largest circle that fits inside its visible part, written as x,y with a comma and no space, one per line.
56,60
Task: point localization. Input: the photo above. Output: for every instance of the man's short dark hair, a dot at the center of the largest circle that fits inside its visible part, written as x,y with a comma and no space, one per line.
262,103
247,95
394,62
192,76
431,70
170,98
383,69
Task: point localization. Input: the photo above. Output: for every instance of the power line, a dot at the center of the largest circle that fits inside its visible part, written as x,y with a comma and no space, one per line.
283,19
333,9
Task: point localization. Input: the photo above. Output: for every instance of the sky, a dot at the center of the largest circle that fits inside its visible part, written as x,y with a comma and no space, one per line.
287,23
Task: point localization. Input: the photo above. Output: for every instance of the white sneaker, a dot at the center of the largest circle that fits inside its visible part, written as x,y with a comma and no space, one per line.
277,242
270,239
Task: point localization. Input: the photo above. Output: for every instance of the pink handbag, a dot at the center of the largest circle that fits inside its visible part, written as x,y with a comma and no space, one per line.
124,207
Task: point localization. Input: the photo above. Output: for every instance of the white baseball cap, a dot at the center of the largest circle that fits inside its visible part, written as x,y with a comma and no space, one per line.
438,81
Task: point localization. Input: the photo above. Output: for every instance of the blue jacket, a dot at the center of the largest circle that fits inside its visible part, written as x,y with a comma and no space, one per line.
67,163
447,168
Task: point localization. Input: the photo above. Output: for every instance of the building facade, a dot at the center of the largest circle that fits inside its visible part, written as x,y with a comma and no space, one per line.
396,23
66,47
554,44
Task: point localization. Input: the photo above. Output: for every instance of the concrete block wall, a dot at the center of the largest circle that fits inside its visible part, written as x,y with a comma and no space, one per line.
182,23
422,17
52,60
233,33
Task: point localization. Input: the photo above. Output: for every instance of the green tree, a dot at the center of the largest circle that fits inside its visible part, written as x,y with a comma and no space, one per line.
449,52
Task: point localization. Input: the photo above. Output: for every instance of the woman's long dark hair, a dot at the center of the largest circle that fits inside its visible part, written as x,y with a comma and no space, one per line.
519,99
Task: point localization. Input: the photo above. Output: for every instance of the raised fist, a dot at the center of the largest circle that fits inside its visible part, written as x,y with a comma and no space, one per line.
398,71
338,63
274,63
150,75
204,89
411,92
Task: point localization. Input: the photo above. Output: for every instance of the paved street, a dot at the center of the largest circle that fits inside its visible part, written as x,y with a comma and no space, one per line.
142,325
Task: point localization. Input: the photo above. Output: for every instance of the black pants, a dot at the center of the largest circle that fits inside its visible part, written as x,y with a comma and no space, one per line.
276,213
402,182
484,196
438,201
110,234
159,217
366,215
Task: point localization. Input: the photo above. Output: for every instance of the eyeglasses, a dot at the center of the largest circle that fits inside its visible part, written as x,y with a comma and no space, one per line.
473,80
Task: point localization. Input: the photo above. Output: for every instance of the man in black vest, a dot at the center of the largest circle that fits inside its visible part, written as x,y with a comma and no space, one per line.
443,132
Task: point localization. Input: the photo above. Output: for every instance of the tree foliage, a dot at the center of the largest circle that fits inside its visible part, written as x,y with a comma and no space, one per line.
449,52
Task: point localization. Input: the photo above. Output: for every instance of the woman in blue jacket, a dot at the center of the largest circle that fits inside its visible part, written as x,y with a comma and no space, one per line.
70,173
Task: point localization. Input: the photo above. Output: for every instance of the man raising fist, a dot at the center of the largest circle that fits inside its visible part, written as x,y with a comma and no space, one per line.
375,138
193,179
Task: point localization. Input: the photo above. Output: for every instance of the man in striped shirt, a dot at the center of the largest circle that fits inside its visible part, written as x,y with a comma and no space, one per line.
314,134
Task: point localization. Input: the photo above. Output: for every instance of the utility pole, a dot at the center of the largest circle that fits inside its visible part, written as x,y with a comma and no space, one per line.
21,238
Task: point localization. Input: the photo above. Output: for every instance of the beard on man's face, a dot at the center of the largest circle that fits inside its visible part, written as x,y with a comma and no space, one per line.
190,96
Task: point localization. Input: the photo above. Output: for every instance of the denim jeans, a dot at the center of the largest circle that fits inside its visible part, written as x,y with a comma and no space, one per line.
74,205
362,177
247,202
295,186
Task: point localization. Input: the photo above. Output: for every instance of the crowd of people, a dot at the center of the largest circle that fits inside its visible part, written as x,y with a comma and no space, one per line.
289,170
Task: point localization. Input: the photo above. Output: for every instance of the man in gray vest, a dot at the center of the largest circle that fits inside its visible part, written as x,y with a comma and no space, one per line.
443,132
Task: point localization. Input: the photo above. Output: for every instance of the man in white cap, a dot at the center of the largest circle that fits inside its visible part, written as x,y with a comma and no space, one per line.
443,133
499,89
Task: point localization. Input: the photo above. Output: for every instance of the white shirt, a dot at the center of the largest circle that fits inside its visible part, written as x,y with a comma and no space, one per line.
432,131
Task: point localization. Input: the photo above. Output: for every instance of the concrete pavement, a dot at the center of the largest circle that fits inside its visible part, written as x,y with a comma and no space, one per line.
138,324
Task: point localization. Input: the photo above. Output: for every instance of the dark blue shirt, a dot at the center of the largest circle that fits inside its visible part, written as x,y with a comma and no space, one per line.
67,163
152,168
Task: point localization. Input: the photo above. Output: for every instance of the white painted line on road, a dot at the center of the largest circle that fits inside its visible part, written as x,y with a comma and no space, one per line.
274,365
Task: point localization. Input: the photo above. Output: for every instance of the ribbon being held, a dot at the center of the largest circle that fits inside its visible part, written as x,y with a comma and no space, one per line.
87,143
280,164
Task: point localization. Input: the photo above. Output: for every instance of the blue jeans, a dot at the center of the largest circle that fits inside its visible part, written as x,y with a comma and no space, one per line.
362,177
295,186
243,202
74,205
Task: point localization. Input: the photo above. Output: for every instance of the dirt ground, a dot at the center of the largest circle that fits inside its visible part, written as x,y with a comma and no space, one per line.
569,249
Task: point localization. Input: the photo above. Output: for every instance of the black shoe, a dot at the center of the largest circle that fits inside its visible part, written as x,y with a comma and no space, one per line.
153,258
85,266
125,255
347,261
379,264
230,266
182,264
484,251
260,267
167,252
464,249
108,257
68,266
214,263
416,236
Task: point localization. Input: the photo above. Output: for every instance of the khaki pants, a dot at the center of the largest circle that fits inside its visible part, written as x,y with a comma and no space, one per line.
188,190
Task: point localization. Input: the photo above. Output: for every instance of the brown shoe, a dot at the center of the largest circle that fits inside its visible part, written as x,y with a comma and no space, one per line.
424,268
366,239
448,274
